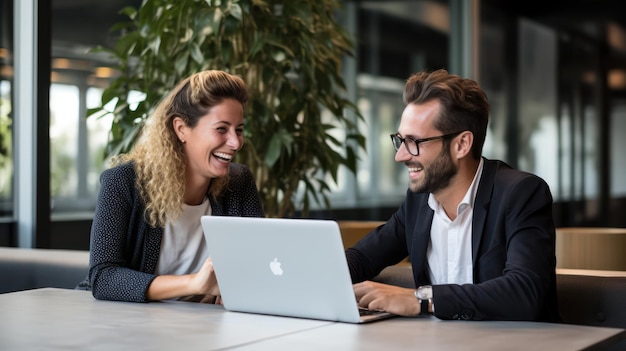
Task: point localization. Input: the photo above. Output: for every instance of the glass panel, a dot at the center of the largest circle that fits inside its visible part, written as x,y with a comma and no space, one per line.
577,135
566,160
381,180
97,137
6,154
339,192
618,145
538,102
78,78
590,159
397,38
493,80
6,130
364,171
394,39
63,140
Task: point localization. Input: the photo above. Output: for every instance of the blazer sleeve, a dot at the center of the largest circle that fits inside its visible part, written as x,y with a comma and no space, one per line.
384,246
110,274
514,260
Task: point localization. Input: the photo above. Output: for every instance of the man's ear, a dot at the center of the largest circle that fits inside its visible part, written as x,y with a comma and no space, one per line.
462,144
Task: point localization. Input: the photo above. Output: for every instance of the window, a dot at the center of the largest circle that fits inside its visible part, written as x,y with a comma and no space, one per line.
6,133
6,154
394,40
97,132
76,147
64,130
381,180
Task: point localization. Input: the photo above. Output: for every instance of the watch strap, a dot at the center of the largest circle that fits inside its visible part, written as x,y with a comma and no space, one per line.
424,295
424,307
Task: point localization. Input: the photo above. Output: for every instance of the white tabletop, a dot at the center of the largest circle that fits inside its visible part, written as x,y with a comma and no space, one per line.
60,319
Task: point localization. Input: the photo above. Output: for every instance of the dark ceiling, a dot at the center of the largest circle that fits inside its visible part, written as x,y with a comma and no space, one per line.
583,17
82,24
87,23
599,24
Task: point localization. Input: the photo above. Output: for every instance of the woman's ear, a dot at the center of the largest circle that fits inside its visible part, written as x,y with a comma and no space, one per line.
179,128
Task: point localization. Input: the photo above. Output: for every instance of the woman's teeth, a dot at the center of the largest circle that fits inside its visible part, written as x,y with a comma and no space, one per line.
223,156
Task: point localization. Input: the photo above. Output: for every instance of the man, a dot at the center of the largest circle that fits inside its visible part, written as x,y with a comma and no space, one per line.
479,235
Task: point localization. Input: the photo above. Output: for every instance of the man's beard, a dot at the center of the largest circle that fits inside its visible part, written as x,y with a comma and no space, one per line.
436,176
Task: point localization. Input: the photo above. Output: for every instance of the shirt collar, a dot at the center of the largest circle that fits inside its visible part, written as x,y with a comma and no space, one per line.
470,195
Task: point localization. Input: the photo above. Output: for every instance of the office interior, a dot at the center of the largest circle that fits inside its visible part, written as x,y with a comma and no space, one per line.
554,72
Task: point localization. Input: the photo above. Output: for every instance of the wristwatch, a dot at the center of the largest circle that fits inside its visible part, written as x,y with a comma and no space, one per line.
424,295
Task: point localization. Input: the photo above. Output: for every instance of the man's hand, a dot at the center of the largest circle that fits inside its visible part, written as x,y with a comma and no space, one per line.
390,298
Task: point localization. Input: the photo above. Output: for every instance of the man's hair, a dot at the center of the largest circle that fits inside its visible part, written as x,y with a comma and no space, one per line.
464,104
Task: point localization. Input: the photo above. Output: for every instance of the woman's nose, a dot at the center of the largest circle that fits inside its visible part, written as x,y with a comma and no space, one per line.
235,141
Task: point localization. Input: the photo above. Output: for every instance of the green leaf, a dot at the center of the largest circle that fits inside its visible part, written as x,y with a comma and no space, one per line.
273,151
236,12
180,64
196,53
291,62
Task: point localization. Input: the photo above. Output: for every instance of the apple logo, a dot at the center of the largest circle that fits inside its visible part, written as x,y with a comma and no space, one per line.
275,267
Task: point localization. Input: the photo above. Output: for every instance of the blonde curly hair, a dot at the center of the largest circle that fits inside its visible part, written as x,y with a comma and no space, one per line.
158,156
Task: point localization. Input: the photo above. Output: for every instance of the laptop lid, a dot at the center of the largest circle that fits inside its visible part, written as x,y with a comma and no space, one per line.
286,267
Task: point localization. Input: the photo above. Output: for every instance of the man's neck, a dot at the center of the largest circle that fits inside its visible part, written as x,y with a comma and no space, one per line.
451,196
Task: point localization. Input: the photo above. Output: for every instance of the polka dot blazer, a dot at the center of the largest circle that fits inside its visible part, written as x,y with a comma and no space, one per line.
125,248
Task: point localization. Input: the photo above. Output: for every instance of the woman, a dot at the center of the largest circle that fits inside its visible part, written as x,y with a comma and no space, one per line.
146,240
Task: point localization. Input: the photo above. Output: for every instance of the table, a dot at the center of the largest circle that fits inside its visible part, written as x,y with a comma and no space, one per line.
64,319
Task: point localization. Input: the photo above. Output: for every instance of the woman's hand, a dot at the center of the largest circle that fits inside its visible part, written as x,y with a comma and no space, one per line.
204,281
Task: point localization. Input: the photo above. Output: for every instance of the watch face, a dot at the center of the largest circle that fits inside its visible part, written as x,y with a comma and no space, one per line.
424,292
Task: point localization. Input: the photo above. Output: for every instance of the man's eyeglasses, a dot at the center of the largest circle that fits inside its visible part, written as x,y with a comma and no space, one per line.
412,145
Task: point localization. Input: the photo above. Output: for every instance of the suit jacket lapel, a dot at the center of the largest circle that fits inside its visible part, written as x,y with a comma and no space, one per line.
481,206
420,242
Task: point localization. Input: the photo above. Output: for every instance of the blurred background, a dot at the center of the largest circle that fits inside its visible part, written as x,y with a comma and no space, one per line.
554,72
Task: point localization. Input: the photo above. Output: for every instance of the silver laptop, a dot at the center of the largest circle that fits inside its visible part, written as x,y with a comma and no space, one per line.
286,267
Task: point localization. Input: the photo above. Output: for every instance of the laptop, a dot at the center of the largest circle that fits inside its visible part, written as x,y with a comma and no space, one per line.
284,267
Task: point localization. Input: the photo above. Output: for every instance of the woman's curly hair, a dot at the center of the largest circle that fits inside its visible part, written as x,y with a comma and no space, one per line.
158,155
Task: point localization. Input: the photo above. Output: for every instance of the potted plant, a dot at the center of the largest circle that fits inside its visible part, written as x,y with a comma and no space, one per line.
289,53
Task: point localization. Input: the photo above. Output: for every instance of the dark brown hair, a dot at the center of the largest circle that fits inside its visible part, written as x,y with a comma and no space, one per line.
464,104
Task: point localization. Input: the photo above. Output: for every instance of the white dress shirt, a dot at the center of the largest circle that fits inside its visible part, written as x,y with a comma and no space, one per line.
449,252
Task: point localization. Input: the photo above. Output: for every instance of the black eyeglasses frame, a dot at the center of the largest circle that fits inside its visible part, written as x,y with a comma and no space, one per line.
417,142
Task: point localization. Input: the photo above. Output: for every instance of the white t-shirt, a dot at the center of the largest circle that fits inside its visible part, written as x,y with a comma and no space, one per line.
183,248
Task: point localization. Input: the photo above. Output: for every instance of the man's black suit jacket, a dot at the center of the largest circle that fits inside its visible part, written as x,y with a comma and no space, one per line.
513,249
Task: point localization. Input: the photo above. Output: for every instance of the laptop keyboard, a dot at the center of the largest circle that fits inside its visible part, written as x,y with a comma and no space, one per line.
367,312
